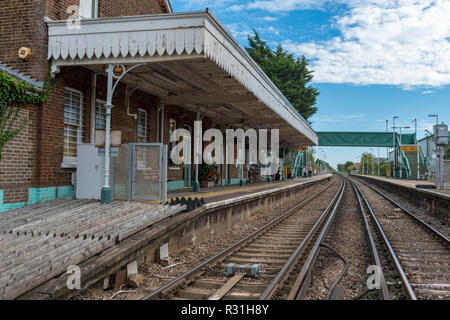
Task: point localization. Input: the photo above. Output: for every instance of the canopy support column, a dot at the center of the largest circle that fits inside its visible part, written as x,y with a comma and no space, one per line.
197,151
106,194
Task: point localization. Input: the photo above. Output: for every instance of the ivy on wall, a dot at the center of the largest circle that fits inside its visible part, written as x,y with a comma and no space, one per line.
14,94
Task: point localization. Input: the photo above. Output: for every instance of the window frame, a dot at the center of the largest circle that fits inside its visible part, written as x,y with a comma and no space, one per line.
94,9
95,119
71,162
139,112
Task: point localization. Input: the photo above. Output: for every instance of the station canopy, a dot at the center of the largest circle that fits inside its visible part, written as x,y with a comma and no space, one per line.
185,59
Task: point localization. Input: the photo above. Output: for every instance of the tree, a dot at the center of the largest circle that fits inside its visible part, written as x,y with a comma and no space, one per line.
13,95
290,75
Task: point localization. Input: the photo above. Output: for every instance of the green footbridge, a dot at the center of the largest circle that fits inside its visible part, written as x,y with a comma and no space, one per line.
408,159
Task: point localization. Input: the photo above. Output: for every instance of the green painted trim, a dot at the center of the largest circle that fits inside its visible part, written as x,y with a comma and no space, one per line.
235,181
65,192
36,195
106,195
175,185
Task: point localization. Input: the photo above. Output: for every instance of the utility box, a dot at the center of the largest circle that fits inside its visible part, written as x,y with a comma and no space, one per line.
90,172
441,134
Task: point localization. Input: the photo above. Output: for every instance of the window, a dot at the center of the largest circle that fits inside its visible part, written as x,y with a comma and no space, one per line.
172,127
88,9
100,115
72,123
142,129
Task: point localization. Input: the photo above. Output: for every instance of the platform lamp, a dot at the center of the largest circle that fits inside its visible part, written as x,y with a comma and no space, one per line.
387,152
372,151
417,141
395,149
434,116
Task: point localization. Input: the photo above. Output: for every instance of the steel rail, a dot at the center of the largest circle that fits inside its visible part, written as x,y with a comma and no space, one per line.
410,214
384,293
303,280
197,270
282,276
405,282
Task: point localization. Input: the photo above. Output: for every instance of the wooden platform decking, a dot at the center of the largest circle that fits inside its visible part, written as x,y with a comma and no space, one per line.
41,241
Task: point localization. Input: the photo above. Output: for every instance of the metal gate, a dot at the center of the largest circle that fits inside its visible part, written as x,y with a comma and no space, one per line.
148,171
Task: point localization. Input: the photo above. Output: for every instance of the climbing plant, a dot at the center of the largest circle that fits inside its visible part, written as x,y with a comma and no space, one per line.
14,94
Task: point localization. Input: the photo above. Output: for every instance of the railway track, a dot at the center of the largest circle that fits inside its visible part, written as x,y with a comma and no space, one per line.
342,258
419,252
277,248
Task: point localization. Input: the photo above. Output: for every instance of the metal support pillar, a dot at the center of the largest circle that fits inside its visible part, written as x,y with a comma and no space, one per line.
197,151
106,193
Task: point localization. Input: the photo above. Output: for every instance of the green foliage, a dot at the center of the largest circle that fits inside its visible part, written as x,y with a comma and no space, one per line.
13,95
291,75
347,166
207,172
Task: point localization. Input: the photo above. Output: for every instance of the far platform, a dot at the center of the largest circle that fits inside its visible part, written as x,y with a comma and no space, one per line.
411,184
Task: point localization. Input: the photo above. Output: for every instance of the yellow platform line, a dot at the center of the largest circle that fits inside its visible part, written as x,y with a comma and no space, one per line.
213,193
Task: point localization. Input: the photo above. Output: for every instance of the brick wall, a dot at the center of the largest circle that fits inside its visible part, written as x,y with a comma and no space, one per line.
18,163
57,9
22,25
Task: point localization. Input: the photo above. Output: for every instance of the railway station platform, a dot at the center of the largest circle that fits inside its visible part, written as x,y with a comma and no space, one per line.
220,193
39,243
435,202
412,184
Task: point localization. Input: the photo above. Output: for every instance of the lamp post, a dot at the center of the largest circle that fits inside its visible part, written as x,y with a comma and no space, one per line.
434,116
373,162
362,164
417,142
387,152
395,149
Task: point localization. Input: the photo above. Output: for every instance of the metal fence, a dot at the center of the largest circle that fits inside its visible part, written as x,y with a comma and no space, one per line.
141,172
446,174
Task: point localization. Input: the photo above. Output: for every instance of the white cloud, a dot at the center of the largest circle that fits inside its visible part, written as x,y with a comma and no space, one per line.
239,30
280,5
340,118
269,29
427,92
401,42
269,18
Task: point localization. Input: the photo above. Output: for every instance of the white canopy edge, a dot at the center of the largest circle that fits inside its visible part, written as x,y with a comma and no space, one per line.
151,38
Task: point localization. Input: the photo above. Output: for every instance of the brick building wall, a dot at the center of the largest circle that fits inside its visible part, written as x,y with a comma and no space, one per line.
18,166
22,25
34,158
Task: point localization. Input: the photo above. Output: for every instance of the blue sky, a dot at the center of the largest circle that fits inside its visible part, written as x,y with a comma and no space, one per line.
372,59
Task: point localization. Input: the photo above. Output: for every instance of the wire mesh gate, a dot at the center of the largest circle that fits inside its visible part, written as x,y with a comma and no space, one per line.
141,172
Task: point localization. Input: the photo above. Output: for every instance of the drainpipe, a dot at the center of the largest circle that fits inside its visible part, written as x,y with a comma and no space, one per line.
197,147
162,123
226,162
106,194
93,105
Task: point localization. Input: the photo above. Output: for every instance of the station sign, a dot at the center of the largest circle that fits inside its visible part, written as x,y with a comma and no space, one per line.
409,148
303,148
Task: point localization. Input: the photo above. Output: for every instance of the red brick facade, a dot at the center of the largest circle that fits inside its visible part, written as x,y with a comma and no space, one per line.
34,158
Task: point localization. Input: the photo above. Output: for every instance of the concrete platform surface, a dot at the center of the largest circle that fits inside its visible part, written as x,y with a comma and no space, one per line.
411,184
220,193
